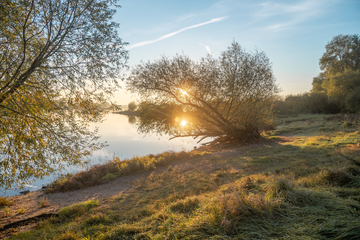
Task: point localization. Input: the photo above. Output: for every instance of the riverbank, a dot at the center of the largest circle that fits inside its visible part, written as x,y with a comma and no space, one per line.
301,180
127,113
124,141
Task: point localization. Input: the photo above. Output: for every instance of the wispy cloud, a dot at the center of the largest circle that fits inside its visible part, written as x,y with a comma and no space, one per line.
158,28
290,13
207,48
176,32
184,17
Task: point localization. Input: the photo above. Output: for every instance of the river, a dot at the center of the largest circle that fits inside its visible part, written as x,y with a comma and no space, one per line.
123,141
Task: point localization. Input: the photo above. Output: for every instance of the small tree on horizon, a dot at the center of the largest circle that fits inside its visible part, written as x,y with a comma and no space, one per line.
132,106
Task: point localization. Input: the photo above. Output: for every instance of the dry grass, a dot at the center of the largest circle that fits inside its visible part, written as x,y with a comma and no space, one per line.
44,203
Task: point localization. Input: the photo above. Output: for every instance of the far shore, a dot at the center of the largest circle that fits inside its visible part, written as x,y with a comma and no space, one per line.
128,113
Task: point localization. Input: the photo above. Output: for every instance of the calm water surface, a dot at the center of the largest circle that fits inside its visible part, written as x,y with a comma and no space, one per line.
124,142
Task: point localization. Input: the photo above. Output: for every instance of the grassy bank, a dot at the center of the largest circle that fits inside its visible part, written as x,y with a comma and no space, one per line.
100,174
303,182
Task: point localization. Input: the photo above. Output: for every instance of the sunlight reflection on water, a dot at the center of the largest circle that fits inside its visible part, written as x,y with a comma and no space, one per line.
124,142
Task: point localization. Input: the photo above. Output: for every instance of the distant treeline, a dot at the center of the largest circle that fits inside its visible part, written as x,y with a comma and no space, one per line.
337,88
306,103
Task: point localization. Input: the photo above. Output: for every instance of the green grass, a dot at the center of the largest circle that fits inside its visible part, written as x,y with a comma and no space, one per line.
307,187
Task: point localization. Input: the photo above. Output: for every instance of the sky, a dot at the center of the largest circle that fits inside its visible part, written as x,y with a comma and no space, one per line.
293,34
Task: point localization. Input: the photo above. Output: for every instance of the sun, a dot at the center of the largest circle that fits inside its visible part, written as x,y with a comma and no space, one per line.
183,92
183,123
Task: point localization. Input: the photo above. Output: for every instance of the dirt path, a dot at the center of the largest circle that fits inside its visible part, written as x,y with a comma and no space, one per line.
31,202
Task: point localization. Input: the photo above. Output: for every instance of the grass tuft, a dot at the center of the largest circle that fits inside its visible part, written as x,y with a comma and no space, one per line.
21,211
76,210
44,203
185,206
6,212
5,202
341,177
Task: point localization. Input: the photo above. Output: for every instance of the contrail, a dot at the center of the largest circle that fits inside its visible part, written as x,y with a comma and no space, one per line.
176,32
207,48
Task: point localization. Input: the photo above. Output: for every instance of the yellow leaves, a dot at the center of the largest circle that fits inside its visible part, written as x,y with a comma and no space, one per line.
42,142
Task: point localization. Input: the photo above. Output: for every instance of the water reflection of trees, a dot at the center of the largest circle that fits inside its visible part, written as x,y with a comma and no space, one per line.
132,119
162,119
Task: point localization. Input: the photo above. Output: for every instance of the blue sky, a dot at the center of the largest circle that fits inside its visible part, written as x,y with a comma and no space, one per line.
293,34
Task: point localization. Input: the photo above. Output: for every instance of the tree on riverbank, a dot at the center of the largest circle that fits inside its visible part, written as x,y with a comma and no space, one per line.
227,98
340,79
337,88
59,60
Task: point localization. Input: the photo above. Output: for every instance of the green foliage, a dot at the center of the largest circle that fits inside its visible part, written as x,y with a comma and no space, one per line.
344,88
312,102
342,53
340,81
59,60
227,98
317,84
109,177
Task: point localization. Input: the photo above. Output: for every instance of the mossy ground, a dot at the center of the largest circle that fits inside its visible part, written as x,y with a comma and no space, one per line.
302,186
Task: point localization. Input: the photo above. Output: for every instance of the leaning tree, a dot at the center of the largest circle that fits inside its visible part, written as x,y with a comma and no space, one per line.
227,98
59,59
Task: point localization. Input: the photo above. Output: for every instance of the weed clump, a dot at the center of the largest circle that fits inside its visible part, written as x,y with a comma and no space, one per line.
5,202
279,189
96,219
44,203
108,177
76,210
6,212
21,211
185,206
